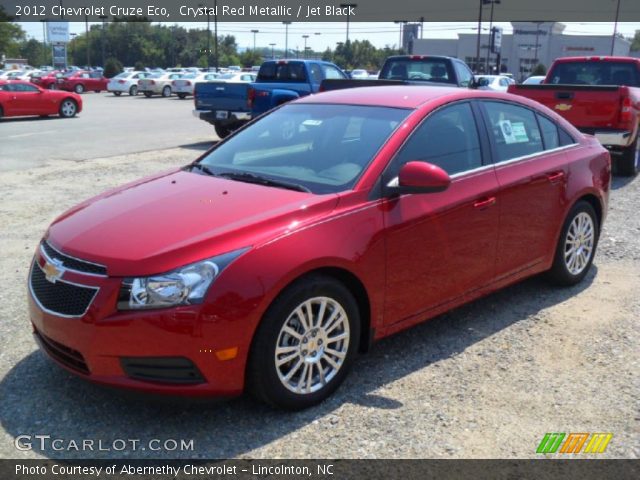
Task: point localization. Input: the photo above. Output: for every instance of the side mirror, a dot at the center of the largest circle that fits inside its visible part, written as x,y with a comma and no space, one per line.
422,177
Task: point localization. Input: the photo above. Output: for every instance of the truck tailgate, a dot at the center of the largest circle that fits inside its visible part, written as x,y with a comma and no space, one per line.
584,106
214,95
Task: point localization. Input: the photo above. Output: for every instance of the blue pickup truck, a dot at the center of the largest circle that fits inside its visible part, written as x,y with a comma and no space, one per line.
227,107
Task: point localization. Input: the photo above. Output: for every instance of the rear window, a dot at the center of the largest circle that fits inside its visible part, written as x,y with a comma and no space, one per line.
282,72
595,73
427,69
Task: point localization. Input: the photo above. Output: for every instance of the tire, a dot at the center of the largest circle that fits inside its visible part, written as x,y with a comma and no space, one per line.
97,91
133,91
68,108
628,164
117,94
79,88
148,94
582,222
166,91
306,349
182,96
1,112
222,131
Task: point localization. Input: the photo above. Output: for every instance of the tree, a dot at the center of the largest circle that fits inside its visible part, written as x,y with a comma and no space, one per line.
248,58
539,70
635,42
10,36
112,67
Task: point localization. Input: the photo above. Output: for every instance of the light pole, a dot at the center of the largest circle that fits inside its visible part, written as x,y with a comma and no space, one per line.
286,38
44,42
215,33
482,3
615,28
318,34
538,23
401,23
254,38
208,57
348,6
492,2
73,36
272,45
305,45
86,31
103,18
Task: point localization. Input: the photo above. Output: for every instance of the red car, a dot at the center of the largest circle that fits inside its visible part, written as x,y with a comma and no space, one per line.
47,80
19,98
321,227
81,81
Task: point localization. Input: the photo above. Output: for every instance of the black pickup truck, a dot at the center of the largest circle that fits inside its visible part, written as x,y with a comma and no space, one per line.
414,69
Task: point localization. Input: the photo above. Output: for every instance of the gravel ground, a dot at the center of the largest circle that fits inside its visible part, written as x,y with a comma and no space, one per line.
487,380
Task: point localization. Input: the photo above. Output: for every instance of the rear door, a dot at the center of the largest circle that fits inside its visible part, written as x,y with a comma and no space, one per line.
531,168
441,245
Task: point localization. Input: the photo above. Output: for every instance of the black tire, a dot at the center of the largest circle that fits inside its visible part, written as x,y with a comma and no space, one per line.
1,112
79,88
148,94
97,91
182,96
263,376
166,91
222,131
560,272
117,94
628,164
133,91
68,108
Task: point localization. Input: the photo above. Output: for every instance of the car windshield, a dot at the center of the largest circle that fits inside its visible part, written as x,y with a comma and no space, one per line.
227,76
323,148
123,75
428,69
191,75
595,73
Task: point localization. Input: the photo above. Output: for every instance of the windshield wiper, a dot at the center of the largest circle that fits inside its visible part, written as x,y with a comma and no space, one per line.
202,168
253,178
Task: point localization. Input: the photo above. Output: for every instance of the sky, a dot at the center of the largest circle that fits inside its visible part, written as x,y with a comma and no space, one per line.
379,34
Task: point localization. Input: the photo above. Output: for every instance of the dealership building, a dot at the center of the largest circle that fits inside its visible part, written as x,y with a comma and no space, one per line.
530,43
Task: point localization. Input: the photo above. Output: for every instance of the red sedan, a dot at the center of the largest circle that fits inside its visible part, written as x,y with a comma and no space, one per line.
81,81
327,224
19,98
47,80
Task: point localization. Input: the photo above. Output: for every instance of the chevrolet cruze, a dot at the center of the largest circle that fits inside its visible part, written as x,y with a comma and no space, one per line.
331,222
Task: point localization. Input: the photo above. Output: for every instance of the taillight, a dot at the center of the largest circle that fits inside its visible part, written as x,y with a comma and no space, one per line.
152,82
188,83
251,96
626,110
121,81
173,83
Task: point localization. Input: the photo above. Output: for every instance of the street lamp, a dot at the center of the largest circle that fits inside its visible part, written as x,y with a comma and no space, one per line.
492,2
482,3
286,37
348,6
305,45
401,23
206,9
254,38
538,23
88,44
44,42
73,36
272,45
615,28
103,18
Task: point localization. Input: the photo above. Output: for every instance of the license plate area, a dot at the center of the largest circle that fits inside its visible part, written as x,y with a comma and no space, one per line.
222,115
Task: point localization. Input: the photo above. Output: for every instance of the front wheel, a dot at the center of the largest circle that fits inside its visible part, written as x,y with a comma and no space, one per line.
78,89
629,162
305,344
576,245
68,108
148,94
166,91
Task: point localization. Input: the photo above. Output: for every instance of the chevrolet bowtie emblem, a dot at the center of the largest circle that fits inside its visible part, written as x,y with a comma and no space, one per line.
53,270
563,107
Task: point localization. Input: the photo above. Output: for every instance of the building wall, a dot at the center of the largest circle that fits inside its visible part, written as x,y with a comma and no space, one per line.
529,44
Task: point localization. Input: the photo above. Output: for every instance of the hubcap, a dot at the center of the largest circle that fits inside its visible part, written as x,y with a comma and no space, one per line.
578,246
312,345
68,108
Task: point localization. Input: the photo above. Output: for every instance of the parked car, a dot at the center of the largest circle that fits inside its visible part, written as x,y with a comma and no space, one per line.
158,84
534,80
13,75
329,223
495,83
359,74
79,81
20,98
47,80
184,86
600,96
126,82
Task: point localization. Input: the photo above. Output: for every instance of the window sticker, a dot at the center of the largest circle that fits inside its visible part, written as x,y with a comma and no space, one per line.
513,132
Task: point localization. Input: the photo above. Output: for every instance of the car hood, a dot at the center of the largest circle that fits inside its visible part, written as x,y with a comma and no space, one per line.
160,223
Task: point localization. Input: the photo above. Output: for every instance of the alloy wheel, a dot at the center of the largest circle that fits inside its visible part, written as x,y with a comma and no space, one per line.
579,243
68,108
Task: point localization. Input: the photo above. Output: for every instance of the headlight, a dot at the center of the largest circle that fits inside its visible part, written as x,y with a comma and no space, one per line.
183,286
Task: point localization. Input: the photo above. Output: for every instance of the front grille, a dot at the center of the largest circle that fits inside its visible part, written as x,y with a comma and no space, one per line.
65,355
71,263
178,370
60,298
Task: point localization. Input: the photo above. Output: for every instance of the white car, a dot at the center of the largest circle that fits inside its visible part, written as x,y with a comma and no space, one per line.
126,82
15,75
495,83
359,74
237,77
158,84
184,86
534,80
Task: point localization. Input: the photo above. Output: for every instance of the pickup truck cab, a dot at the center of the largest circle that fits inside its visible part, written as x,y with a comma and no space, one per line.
600,96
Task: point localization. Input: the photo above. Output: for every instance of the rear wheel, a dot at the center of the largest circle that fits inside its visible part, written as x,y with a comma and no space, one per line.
133,91
79,88
166,91
629,162
117,94
148,94
222,131
68,108
576,245
182,96
305,344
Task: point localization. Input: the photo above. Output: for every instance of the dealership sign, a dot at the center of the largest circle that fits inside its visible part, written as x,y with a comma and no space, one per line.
58,32
496,39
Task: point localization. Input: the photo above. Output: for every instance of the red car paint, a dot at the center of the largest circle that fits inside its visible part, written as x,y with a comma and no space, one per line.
36,102
46,80
82,81
414,256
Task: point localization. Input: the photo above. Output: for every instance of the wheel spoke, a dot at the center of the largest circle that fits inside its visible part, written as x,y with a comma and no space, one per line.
321,312
290,331
337,338
287,359
335,353
303,377
293,371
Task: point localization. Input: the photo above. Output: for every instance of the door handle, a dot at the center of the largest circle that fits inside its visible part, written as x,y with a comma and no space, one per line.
484,202
555,177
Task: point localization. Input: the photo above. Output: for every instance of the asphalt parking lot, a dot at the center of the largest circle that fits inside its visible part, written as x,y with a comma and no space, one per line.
487,380
106,127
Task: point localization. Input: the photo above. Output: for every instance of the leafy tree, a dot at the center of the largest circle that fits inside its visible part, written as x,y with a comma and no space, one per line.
635,42
539,69
249,58
112,67
139,66
10,36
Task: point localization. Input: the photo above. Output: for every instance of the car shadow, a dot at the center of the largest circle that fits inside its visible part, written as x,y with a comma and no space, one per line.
40,398
621,182
33,119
